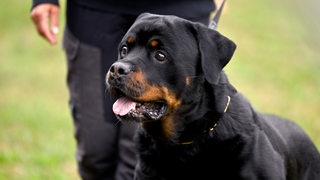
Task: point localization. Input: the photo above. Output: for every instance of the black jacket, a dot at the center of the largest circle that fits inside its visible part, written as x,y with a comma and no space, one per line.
185,8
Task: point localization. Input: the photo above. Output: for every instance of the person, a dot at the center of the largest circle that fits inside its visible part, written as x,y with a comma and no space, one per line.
93,29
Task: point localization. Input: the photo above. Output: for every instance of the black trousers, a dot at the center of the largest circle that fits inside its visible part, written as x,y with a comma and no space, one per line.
105,148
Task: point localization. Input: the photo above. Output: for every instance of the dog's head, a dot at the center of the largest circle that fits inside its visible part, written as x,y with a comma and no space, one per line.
163,62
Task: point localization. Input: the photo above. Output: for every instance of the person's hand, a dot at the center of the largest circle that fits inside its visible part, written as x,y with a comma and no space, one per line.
46,19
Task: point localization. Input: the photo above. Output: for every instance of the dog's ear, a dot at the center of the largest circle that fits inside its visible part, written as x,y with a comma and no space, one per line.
216,51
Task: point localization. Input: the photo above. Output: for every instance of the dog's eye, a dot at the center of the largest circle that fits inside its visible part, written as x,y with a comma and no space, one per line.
160,56
123,51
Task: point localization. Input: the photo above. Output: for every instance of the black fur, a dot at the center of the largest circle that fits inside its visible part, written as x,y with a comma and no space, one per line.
216,133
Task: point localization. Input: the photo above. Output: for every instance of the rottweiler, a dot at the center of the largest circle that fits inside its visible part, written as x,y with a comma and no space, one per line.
169,78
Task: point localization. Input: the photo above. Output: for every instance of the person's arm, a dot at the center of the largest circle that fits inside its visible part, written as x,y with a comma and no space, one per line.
45,16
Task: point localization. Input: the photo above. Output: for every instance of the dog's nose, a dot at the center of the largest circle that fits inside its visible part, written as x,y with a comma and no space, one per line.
120,69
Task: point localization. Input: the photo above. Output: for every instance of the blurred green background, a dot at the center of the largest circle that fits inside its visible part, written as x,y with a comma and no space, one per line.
276,65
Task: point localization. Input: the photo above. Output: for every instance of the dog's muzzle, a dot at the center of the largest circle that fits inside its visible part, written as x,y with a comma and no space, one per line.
127,106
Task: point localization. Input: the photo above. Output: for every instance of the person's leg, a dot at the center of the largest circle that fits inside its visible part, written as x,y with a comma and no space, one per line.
105,149
96,139
127,153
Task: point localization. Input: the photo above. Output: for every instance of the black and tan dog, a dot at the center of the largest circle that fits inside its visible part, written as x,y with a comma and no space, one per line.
194,123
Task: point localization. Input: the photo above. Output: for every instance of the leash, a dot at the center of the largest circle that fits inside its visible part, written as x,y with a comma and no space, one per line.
214,22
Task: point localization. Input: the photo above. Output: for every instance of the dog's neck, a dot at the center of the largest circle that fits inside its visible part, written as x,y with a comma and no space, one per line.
187,126
203,127
210,122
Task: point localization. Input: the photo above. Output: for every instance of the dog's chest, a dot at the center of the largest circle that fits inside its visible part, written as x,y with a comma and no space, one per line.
188,162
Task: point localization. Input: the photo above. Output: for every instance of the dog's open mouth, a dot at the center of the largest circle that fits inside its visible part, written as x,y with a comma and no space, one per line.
126,109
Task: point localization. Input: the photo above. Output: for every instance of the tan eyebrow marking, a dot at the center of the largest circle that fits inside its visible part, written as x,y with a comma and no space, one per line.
130,40
154,43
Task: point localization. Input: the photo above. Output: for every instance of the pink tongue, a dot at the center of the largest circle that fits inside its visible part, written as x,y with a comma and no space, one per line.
123,106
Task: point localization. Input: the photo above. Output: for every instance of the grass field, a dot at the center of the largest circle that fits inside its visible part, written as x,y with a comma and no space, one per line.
276,65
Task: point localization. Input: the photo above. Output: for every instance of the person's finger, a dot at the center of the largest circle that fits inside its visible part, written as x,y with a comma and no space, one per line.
44,29
40,17
54,20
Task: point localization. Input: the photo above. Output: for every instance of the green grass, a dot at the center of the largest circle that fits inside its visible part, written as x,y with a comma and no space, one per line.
36,131
276,65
